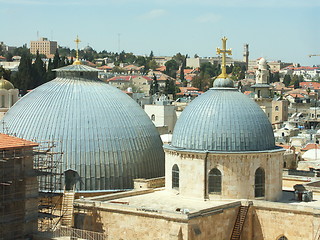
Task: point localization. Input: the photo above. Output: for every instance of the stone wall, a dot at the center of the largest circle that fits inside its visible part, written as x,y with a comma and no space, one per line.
237,170
216,226
214,223
129,226
273,220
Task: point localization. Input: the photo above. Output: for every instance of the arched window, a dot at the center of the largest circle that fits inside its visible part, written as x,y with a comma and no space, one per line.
214,183
259,183
175,176
277,108
282,238
153,117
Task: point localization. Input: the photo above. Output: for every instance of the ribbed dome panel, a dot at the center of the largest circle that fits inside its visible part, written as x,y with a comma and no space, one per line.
223,120
105,135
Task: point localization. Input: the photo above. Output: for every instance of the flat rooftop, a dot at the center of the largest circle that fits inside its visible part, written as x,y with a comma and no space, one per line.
158,202
169,204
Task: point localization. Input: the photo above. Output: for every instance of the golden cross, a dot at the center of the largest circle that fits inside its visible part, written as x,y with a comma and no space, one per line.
77,41
224,51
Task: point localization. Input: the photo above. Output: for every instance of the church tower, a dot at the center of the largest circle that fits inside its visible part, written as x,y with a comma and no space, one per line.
262,89
246,54
223,147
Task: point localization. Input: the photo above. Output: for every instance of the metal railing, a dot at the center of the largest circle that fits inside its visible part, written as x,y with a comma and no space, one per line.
75,233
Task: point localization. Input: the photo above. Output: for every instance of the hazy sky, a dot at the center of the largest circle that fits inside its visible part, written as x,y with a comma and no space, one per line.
286,30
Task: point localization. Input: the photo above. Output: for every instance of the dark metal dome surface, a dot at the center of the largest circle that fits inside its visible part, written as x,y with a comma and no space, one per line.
105,135
224,120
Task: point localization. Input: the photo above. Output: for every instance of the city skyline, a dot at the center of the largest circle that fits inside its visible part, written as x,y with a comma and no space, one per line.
275,30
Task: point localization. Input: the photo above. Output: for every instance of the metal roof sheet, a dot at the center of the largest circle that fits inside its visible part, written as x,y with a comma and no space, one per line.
223,119
77,68
105,135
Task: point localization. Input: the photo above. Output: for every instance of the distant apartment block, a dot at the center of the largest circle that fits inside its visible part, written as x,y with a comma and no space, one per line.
44,46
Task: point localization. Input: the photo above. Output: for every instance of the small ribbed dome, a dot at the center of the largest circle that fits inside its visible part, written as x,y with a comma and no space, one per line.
105,135
5,84
223,119
223,82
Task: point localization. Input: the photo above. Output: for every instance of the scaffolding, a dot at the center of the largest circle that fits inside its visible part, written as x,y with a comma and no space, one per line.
47,164
18,193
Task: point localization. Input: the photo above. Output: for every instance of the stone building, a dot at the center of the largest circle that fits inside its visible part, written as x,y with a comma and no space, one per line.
280,112
275,109
162,114
223,180
43,46
18,188
262,89
8,96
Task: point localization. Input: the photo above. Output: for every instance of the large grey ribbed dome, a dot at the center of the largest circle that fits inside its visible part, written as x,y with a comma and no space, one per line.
105,135
223,119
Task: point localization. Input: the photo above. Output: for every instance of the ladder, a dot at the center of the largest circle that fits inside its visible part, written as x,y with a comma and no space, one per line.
238,225
67,208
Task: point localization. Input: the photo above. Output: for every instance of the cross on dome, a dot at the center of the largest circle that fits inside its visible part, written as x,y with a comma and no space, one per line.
224,51
77,41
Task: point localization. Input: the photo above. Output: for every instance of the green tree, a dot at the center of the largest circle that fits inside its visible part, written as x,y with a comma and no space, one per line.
50,74
238,73
118,69
141,61
295,81
1,50
183,66
296,84
171,68
130,58
287,80
6,74
229,69
179,58
38,71
202,81
154,88
63,61
23,79
21,50
56,60
9,56
170,87
274,77
151,65
151,56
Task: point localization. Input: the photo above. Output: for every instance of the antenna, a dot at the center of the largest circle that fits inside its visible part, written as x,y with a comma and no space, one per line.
37,35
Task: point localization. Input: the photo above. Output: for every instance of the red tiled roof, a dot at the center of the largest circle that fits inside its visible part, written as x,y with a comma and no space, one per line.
127,78
1,57
132,67
185,89
312,85
119,78
310,146
10,142
105,67
145,77
162,68
296,95
284,146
